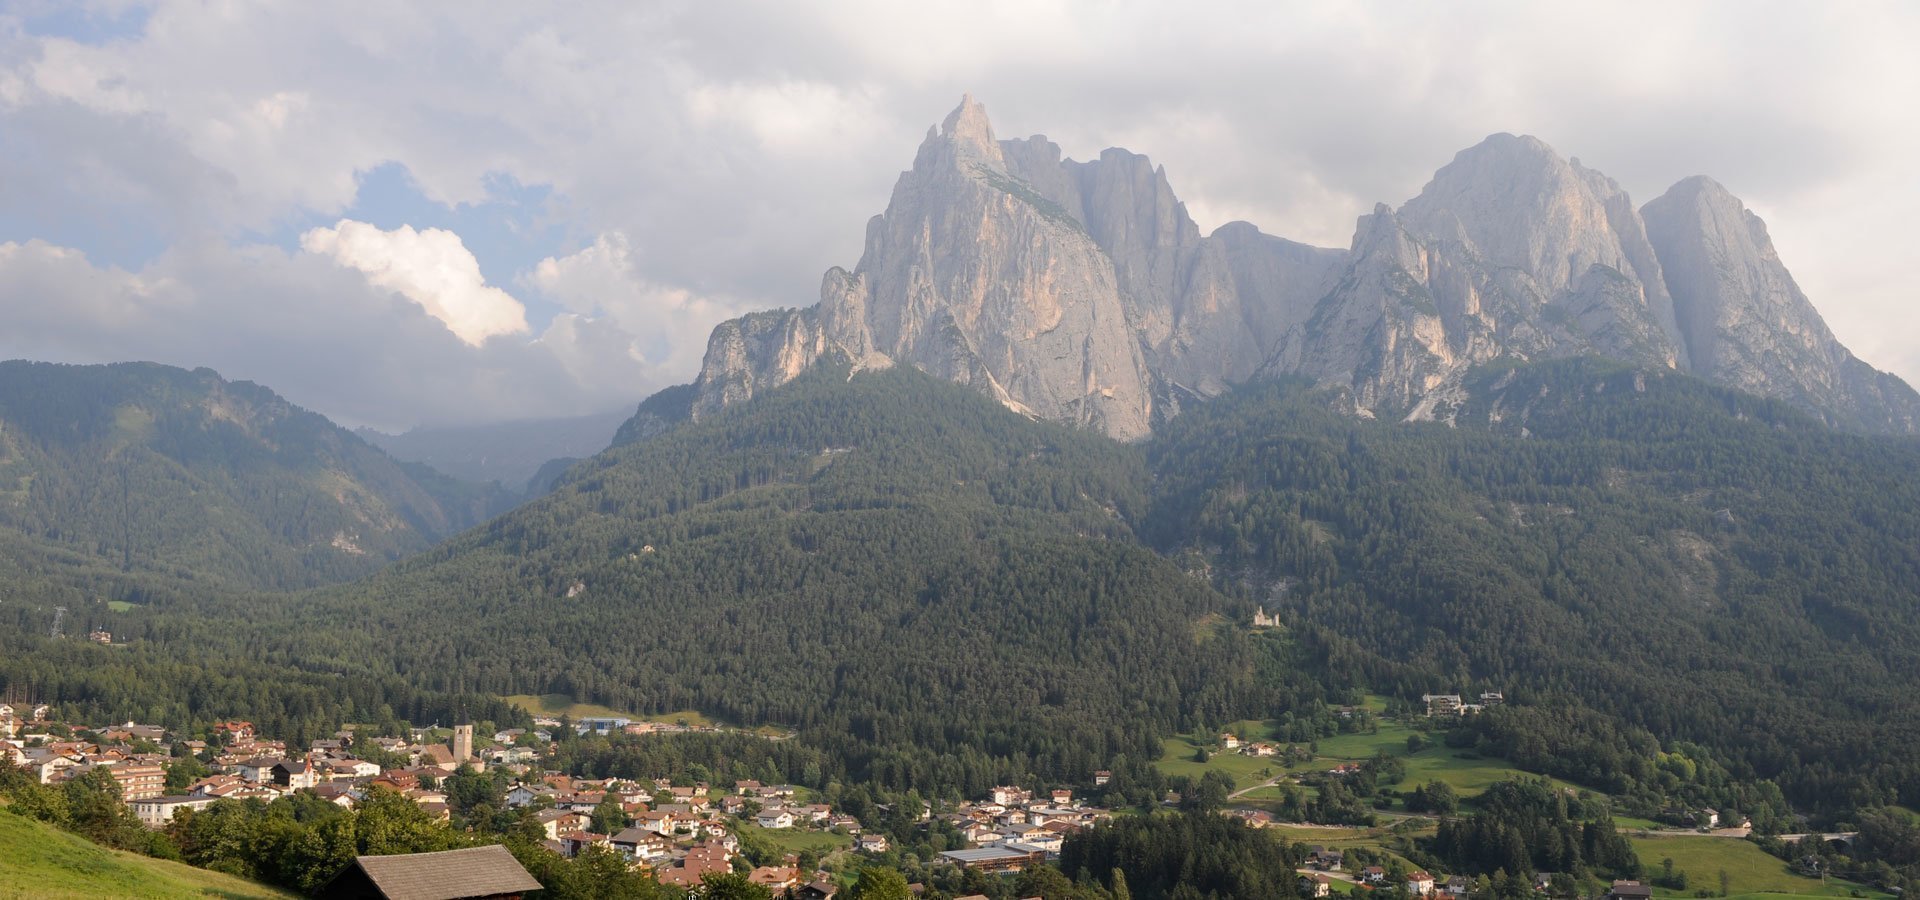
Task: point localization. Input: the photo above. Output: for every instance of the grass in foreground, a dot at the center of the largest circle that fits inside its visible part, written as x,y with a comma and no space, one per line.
41,861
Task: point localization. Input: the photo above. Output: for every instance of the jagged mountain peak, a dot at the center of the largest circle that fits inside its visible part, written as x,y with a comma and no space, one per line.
964,137
968,121
1083,291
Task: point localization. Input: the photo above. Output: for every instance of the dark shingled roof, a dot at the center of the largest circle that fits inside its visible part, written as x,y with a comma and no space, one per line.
489,871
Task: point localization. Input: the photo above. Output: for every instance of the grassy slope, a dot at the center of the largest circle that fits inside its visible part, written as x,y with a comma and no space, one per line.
41,861
562,704
794,840
1459,769
1749,869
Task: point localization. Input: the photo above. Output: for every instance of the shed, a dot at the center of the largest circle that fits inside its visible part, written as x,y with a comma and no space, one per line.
475,873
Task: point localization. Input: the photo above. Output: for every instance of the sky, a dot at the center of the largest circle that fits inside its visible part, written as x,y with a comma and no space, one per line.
452,213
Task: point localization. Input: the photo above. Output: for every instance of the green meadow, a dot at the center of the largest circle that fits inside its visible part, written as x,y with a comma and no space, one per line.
1463,770
1750,870
44,863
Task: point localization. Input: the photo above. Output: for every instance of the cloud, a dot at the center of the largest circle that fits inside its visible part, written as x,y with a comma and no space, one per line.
431,268
602,280
787,117
707,157
317,332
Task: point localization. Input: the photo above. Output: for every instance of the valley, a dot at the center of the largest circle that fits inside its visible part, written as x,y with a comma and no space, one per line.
1058,550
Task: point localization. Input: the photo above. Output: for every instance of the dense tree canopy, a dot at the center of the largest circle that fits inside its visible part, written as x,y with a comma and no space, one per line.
1687,595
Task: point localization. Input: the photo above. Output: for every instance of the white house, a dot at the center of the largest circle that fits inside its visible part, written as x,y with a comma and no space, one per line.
47,769
258,769
774,818
522,795
156,812
355,768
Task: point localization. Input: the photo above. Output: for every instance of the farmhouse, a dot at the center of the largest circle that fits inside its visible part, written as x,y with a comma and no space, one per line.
1629,890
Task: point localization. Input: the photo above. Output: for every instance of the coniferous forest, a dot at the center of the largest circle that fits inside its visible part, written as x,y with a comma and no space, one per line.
938,595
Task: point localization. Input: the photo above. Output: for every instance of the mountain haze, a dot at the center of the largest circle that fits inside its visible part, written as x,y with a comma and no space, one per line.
1082,292
510,453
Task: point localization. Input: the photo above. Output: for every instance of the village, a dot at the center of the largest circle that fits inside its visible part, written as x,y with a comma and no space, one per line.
676,832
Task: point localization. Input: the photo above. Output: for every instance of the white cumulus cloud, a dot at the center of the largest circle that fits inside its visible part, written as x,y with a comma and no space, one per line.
669,325
431,267
316,332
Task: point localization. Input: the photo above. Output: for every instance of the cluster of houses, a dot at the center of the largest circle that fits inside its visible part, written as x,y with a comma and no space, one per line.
32,740
1014,827
1315,882
678,832
1323,864
684,839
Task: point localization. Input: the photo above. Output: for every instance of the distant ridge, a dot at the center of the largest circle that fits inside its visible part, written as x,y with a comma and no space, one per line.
149,469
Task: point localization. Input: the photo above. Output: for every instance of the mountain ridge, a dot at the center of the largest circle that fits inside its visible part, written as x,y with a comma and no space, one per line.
145,468
1083,292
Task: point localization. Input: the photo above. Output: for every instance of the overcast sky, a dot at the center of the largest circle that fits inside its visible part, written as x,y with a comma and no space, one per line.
436,213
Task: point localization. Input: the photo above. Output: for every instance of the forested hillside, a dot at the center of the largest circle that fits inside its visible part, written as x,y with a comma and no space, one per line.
833,559
940,594
1685,559
115,480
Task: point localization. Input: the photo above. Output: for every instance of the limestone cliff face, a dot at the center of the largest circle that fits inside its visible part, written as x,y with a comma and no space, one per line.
1083,292
1746,323
1511,251
1079,292
1207,310
970,275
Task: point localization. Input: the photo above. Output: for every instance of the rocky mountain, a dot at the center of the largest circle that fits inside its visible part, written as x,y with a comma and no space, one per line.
1746,324
157,472
1512,252
1079,292
1083,292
